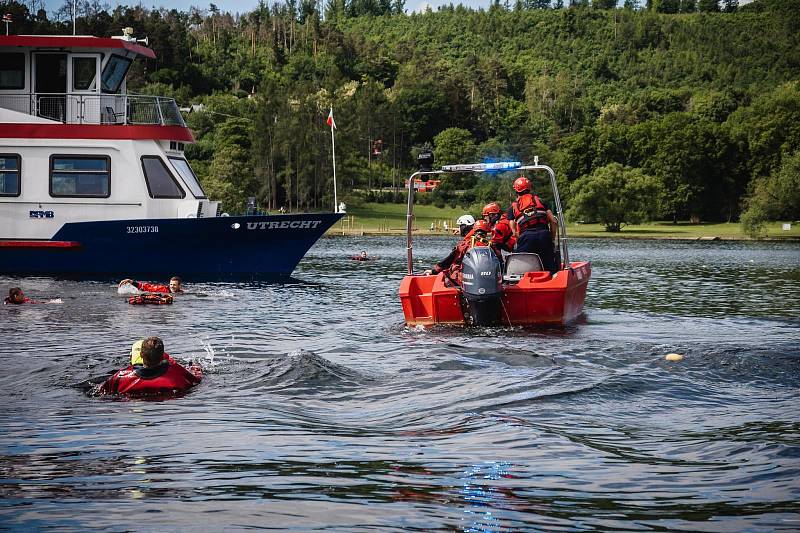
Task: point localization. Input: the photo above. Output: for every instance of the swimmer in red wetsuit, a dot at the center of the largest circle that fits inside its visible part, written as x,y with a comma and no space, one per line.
158,375
173,287
16,297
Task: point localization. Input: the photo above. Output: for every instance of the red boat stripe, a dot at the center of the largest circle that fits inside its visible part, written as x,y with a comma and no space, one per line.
58,41
39,244
95,131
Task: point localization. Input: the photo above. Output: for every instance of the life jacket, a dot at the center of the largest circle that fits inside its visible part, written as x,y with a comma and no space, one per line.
359,258
168,378
530,212
502,236
154,299
9,301
466,244
151,287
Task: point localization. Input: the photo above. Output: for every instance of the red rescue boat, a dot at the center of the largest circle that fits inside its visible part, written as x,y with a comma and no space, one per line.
518,292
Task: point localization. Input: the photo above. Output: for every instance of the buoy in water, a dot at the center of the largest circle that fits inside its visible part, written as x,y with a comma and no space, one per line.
674,357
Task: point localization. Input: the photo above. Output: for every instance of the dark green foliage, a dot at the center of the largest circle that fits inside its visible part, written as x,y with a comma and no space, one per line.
705,102
614,195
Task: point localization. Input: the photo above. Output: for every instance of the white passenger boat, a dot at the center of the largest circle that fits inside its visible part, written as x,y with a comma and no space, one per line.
94,182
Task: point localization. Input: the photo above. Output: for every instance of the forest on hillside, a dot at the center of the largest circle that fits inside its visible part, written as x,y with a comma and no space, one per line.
677,109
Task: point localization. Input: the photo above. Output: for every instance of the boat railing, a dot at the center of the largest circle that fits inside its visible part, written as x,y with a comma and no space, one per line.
110,109
561,243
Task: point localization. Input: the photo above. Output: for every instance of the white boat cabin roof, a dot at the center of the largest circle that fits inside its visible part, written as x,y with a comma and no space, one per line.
76,80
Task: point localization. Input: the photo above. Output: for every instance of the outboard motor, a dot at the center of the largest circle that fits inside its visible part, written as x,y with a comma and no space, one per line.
481,276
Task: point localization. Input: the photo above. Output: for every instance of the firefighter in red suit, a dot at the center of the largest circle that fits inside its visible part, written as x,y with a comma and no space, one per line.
173,287
479,235
533,224
465,224
158,375
502,235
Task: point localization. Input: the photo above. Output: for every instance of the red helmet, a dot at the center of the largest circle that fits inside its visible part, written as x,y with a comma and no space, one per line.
492,208
482,225
522,184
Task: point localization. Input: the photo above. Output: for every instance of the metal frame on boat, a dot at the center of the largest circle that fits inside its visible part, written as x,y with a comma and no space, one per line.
533,298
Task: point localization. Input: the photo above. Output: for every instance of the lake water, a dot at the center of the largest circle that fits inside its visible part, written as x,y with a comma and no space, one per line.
320,411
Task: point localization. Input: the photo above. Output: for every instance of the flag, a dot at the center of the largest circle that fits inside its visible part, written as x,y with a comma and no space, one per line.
7,17
330,121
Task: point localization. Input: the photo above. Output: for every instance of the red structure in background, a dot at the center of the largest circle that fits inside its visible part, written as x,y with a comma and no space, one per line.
425,186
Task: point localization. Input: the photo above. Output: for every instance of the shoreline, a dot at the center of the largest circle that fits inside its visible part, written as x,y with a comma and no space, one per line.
339,232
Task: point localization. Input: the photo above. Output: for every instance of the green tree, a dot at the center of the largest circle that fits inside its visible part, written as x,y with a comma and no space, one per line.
454,145
615,196
774,197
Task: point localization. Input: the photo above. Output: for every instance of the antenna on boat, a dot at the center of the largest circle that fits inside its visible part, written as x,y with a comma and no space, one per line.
74,16
7,20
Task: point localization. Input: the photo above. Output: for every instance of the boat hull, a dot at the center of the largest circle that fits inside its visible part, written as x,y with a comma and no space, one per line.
537,299
242,247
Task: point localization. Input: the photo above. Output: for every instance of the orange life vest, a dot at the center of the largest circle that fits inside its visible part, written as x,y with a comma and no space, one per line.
502,236
530,212
154,299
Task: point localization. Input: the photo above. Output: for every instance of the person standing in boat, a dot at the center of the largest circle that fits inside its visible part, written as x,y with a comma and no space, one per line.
533,224
502,235
175,285
157,374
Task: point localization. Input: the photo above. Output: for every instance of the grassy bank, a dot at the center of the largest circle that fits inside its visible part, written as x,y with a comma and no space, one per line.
379,219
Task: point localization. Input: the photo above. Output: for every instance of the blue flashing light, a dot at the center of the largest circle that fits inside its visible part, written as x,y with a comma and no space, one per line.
483,167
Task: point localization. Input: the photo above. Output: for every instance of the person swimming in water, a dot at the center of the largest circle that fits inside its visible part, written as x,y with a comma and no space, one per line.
16,297
157,375
175,285
361,257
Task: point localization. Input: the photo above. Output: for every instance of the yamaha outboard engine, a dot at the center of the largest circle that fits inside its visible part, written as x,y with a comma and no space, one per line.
481,276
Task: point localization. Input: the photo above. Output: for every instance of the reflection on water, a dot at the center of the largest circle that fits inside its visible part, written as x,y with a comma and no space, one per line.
320,410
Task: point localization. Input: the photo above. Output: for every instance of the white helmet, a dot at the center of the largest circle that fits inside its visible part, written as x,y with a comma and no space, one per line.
465,220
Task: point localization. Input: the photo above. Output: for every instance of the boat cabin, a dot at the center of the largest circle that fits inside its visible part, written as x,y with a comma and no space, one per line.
76,146
77,80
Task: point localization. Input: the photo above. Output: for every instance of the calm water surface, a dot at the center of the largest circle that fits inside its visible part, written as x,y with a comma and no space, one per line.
321,411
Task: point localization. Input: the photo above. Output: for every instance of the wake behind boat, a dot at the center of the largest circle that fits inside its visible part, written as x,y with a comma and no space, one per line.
94,181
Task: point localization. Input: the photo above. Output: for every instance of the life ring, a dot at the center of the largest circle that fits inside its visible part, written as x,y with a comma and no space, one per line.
152,299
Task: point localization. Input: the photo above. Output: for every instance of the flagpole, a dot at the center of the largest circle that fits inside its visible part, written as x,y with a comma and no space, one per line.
333,152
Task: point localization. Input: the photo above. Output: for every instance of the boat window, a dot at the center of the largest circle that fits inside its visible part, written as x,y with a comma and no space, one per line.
160,181
80,176
12,71
9,175
188,175
84,71
114,72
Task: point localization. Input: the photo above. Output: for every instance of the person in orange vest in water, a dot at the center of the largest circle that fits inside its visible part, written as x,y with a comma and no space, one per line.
16,297
502,234
173,287
533,224
157,375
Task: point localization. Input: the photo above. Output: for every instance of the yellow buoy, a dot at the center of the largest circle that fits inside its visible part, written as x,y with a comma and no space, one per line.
674,357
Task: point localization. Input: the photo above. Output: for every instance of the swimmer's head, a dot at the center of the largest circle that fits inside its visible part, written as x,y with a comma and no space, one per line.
15,296
175,284
364,254
152,352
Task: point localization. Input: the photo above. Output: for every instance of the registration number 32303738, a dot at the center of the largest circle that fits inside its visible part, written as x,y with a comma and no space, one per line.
142,229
